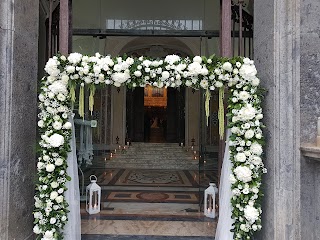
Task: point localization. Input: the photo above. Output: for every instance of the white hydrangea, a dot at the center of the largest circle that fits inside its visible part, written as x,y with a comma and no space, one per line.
56,140
243,173
249,134
52,67
58,87
248,72
171,59
256,148
247,113
251,213
74,58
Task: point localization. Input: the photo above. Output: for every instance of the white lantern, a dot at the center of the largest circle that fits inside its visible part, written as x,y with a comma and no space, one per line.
210,201
93,196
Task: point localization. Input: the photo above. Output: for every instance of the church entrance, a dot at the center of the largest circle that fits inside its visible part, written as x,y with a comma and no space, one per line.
155,115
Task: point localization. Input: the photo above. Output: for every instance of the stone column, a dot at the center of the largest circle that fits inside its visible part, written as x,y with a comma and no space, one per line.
277,57
18,110
310,111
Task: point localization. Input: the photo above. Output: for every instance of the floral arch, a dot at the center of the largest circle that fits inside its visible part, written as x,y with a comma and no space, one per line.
57,95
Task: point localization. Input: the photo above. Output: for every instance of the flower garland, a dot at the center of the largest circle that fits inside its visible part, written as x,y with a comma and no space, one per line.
57,96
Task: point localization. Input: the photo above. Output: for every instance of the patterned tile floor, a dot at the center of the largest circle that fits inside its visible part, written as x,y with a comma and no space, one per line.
147,204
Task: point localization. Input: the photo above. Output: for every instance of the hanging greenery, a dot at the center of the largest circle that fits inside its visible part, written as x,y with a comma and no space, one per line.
57,96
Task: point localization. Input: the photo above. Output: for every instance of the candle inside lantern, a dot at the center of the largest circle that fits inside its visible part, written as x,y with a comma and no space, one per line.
119,147
191,147
110,155
209,210
194,152
128,143
115,150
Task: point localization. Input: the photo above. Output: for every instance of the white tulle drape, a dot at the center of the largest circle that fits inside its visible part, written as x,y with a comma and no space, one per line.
225,221
72,230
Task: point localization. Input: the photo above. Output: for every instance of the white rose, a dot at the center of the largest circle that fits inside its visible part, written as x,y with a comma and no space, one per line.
50,95
57,125
256,160
70,69
137,73
59,162
233,180
63,218
67,125
240,157
41,97
188,83
249,134
255,81
255,190
218,84
234,130
40,124
53,220
50,167
251,213
37,215
244,95
258,136
36,229
60,190
53,195
54,184
227,66
243,173
48,235
259,116
165,75
209,61
197,59
40,165
56,140
59,199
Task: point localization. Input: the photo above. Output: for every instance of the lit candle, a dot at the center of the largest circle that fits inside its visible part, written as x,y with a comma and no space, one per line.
209,210
191,147
128,143
115,150
194,152
119,147
110,155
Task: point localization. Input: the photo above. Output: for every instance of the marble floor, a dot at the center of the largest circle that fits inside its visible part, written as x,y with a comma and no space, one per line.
148,204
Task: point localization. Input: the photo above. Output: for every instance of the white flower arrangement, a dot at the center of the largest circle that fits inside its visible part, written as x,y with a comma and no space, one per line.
244,114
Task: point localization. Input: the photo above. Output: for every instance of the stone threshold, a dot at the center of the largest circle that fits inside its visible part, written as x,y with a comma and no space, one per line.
310,150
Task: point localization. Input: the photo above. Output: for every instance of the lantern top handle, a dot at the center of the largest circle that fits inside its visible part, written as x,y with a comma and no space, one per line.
96,179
